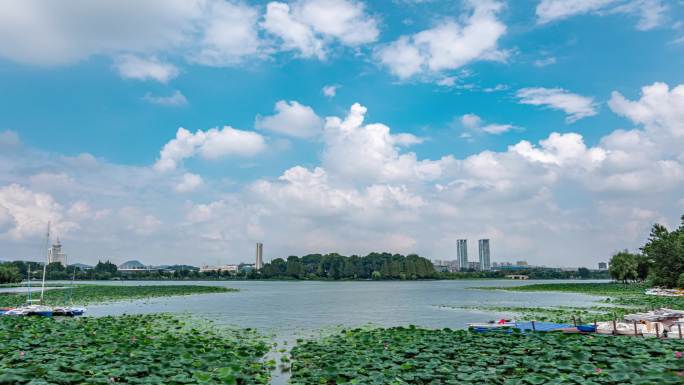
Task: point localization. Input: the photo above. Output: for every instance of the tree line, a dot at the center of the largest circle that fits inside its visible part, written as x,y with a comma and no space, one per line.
659,263
334,266
532,273
16,271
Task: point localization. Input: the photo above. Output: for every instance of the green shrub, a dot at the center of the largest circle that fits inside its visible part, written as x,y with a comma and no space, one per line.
9,274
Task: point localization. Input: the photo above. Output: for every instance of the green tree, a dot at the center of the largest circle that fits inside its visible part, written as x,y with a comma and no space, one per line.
9,274
666,251
294,267
583,272
105,267
680,281
623,267
644,264
334,266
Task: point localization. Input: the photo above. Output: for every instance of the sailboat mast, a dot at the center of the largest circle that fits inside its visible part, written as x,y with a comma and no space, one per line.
47,246
29,283
71,290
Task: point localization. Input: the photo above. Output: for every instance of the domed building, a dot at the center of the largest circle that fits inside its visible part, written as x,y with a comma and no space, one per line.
132,266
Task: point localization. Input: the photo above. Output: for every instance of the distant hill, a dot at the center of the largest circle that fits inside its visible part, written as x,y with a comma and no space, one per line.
82,266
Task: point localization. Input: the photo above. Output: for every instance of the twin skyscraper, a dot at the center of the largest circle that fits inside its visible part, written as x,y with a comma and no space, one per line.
462,255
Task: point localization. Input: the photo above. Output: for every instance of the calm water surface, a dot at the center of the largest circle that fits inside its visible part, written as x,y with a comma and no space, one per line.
288,310
285,307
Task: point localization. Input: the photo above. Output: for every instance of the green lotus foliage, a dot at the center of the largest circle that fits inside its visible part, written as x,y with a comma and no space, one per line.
630,295
421,356
620,299
559,314
608,288
86,294
142,349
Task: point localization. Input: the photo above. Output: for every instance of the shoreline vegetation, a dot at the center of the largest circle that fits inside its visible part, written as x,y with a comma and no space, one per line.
89,294
312,267
618,299
142,349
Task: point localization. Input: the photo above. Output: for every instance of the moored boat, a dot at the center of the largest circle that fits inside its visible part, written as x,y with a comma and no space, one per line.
67,311
15,312
38,310
502,323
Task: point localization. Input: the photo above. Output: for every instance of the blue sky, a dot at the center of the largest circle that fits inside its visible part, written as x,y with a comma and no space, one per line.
93,95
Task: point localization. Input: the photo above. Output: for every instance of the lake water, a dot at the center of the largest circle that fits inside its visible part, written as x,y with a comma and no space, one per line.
285,307
289,310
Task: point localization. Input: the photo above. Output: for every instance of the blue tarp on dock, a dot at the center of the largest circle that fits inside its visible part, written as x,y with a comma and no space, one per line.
524,326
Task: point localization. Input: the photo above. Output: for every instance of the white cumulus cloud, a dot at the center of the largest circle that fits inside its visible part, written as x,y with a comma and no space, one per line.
293,119
550,10
310,26
449,45
189,182
475,123
575,106
210,32
659,108
651,13
25,213
229,34
211,144
371,152
134,67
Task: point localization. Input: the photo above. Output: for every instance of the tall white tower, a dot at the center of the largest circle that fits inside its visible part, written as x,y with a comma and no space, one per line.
483,247
259,256
462,253
55,254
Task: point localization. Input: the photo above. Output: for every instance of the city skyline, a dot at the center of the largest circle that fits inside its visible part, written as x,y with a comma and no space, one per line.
554,128
55,253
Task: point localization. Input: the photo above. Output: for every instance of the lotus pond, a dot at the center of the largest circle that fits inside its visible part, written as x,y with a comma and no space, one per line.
142,349
557,314
85,294
423,356
620,299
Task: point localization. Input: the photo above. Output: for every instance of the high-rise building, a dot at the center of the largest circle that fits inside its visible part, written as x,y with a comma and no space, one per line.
462,253
55,254
259,256
483,248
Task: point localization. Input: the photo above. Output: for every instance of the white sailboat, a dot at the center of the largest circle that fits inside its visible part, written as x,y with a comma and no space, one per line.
35,306
71,310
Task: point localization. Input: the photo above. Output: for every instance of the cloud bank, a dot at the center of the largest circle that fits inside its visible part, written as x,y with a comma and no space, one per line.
369,191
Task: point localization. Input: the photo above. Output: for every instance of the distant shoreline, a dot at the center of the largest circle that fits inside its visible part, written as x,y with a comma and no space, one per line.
52,282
